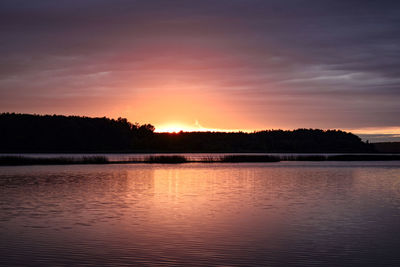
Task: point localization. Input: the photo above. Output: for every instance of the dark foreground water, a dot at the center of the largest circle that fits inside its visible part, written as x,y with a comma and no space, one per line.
269,214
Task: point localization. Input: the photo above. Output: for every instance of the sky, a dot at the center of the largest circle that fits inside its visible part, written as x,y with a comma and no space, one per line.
206,64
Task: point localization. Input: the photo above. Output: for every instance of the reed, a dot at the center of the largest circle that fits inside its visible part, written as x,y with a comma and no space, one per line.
23,160
303,157
166,159
249,158
363,157
175,159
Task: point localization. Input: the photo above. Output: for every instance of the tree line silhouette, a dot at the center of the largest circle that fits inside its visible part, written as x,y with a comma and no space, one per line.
56,133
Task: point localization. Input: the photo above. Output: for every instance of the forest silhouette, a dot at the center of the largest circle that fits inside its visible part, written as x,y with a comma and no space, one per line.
67,134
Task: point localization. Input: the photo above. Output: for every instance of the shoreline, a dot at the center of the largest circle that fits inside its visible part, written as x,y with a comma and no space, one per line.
179,159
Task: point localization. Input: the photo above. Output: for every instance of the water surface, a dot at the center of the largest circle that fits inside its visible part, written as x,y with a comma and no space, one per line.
249,214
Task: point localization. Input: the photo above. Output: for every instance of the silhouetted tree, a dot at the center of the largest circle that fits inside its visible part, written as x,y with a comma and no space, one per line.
36,133
23,132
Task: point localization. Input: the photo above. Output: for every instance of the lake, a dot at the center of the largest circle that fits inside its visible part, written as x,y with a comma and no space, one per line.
246,214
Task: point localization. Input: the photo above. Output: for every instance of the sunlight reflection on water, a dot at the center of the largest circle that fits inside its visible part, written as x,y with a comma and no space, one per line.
201,214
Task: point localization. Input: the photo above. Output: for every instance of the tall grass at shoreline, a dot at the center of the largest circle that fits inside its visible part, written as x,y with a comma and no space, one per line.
303,158
249,158
177,159
23,160
166,159
363,157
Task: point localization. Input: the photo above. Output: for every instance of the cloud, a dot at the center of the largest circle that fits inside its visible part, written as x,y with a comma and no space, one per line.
311,63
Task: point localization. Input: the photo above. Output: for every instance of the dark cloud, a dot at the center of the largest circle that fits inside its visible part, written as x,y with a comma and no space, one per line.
341,57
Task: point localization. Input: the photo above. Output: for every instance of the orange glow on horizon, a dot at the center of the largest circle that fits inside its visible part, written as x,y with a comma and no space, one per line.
376,130
175,94
196,127
178,127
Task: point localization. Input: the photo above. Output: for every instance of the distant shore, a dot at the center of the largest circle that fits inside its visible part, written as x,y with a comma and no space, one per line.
22,133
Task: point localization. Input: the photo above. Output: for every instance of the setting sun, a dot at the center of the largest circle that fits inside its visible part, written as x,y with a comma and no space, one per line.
177,127
196,127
